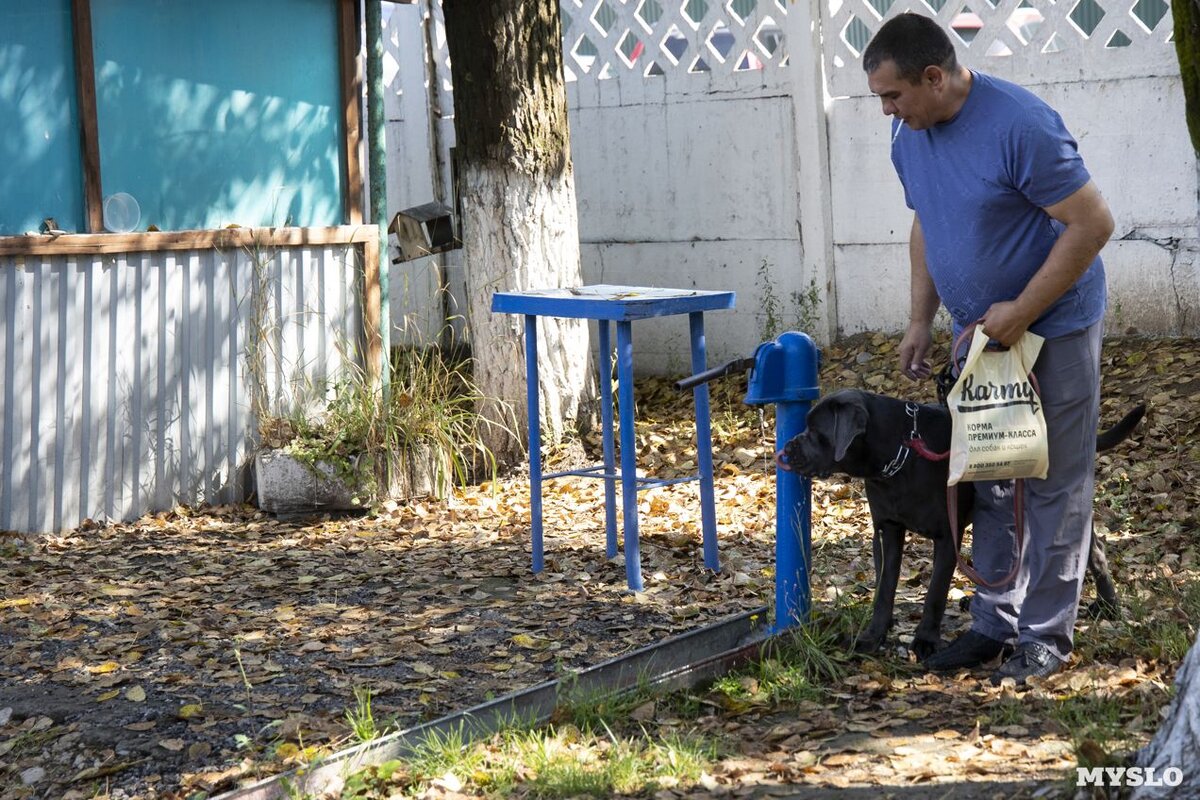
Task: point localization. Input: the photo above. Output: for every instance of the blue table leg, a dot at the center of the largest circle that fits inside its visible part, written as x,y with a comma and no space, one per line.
629,500
708,514
535,440
606,426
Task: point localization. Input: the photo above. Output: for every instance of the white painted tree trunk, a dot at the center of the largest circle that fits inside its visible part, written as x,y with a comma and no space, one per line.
520,231
1176,745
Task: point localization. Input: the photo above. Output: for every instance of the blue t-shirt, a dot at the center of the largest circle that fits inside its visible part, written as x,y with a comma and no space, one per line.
979,183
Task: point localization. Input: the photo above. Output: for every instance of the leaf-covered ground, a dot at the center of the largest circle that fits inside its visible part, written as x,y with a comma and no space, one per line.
197,649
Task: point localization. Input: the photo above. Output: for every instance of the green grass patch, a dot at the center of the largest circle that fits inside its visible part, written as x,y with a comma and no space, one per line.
1102,724
1158,624
587,709
800,666
360,719
552,762
1004,712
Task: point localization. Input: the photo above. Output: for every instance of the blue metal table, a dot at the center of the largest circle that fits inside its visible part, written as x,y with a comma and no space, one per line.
620,304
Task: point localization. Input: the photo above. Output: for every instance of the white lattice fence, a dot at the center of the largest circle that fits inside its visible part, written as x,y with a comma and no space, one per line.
1030,40
605,39
602,38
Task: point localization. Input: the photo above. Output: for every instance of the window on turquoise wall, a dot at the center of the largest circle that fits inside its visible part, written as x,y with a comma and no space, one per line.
208,114
40,166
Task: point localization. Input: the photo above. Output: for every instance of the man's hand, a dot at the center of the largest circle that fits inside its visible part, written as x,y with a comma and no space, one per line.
914,351
1005,322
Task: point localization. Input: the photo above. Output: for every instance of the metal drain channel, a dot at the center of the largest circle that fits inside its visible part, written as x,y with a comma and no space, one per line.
675,663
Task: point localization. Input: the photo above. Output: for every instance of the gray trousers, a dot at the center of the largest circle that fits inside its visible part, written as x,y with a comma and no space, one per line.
1042,602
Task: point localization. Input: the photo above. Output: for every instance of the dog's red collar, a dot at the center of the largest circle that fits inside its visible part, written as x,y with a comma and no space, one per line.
914,443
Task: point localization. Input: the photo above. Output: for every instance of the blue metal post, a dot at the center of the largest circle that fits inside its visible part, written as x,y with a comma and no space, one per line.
629,500
785,373
708,513
606,427
793,525
535,440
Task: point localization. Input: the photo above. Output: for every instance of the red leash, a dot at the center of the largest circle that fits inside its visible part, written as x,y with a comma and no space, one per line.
1018,521
919,447
952,498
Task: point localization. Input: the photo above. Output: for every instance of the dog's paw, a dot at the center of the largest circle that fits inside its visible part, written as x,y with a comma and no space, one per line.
867,644
1102,609
924,648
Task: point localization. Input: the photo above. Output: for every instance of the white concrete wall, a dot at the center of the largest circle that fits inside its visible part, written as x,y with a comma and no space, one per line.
764,181
692,190
1141,158
682,179
1125,108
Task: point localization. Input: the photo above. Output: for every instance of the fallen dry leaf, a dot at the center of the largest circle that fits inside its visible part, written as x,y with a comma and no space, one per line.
434,607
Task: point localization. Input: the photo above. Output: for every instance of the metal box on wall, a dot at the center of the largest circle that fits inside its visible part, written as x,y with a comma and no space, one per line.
424,230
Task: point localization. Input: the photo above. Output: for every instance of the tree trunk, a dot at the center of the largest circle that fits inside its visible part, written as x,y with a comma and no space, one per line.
517,193
1186,14
1176,745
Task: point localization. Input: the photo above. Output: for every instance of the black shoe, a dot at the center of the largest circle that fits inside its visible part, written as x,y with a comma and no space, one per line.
1030,659
969,650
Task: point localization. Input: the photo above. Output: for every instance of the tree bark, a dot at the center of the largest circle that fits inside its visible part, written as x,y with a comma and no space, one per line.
1176,744
1186,14
519,220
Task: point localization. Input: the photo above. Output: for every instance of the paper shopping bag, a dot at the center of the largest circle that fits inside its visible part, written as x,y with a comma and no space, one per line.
999,431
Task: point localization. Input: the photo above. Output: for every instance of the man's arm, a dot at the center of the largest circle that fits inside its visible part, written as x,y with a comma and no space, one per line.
1088,223
923,304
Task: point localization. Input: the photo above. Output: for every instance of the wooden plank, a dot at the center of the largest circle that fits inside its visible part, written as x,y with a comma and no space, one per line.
123,347
192,348
66,399
212,324
155,241
142,353
23,397
12,331
105,451
371,310
173,366
97,380
242,432
351,73
224,368
327,330
89,137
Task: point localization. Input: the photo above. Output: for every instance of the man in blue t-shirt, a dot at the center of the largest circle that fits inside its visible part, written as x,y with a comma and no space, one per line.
1007,231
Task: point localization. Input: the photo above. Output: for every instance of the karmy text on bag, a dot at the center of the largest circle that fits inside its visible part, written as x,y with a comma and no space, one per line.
999,431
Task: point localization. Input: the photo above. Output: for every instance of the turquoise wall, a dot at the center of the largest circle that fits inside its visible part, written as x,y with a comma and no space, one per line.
40,165
221,111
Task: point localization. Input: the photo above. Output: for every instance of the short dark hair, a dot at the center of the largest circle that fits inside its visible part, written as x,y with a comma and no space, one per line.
912,42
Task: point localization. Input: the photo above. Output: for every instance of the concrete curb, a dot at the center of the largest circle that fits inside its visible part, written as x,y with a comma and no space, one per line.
680,661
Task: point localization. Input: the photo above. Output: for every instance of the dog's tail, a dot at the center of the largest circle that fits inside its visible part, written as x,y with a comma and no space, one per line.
1106,440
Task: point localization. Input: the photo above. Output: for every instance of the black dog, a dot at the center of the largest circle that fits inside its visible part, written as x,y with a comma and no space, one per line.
866,436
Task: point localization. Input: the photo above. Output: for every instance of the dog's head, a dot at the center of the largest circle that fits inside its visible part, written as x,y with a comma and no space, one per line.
832,426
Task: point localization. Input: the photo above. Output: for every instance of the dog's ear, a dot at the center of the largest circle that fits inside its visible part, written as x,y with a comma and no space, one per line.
849,421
